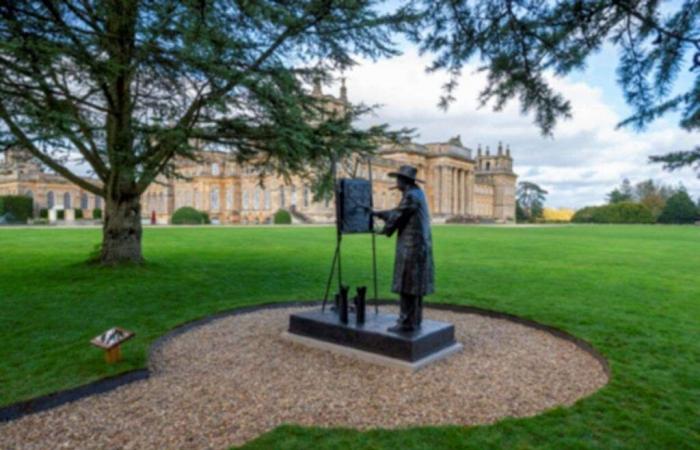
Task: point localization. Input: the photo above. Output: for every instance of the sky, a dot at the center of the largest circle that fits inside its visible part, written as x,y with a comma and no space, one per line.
584,160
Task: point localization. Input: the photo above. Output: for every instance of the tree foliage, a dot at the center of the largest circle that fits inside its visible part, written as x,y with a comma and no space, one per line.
622,193
126,86
679,209
520,42
17,208
530,198
623,212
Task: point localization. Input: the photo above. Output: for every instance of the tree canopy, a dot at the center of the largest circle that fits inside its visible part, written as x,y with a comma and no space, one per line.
126,86
679,209
530,199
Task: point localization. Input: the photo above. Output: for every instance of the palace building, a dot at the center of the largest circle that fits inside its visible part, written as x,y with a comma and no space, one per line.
459,183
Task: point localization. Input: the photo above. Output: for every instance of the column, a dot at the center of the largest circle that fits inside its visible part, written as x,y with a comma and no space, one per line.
454,190
460,206
442,189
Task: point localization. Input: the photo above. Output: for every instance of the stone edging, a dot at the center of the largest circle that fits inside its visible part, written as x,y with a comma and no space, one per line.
43,403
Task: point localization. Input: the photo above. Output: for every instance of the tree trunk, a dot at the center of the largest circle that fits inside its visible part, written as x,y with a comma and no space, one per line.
121,233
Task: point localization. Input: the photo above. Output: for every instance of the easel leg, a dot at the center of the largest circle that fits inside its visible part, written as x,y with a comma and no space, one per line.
330,276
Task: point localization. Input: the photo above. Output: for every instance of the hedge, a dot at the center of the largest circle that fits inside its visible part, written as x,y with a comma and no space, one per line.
282,217
19,207
78,213
96,213
622,212
189,216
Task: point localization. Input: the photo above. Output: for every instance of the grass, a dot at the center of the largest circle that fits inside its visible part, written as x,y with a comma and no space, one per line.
632,291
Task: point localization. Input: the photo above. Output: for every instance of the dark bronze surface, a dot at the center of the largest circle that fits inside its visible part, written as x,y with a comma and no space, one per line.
414,272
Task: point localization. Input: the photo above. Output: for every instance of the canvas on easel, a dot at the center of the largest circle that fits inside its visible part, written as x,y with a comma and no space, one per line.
355,205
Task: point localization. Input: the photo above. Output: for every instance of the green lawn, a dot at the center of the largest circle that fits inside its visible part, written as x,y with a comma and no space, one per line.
632,291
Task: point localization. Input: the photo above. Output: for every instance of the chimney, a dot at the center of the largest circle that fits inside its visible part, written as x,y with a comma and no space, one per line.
500,148
478,150
343,90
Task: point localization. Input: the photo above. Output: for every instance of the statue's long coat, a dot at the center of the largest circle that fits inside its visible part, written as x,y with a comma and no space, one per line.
414,272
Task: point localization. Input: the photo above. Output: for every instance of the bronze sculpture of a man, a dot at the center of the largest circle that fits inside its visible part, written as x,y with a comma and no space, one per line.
413,267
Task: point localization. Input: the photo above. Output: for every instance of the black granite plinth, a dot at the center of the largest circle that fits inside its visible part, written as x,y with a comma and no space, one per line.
372,336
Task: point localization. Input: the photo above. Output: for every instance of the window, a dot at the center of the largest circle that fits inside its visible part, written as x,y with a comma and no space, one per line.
281,196
229,198
215,169
488,166
293,201
29,194
214,200
256,199
306,196
245,199
268,200
98,202
67,201
83,201
197,199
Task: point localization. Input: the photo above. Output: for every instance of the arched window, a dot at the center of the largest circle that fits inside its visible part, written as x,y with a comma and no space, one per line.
67,201
98,202
282,197
256,199
83,201
268,200
229,198
488,166
293,200
214,200
245,199
306,196
197,199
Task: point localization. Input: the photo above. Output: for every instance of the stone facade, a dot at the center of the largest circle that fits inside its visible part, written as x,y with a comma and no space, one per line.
457,183
22,175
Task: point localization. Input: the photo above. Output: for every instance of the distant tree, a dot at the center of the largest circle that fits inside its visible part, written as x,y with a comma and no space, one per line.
520,214
653,195
622,193
679,209
130,85
531,198
520,42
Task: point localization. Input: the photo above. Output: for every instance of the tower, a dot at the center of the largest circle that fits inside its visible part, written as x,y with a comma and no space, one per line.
496,171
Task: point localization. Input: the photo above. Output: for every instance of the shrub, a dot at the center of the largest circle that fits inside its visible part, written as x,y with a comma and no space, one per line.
189,216
584,215
97,213
679,209
622,212
44,213
78,213
205,217
282,217
60,215
19,207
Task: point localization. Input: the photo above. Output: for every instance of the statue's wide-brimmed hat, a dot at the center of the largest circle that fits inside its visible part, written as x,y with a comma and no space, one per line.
408,172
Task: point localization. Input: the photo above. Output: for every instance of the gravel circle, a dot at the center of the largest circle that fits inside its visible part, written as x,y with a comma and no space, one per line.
232,379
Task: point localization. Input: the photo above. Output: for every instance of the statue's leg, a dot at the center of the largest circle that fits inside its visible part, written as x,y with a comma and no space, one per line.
409,311
419,310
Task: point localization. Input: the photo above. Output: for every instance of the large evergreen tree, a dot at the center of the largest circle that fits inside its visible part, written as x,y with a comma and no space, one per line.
531,197
128,85
519,42
679,209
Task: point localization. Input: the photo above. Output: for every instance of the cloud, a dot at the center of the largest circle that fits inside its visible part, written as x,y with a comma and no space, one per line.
584,160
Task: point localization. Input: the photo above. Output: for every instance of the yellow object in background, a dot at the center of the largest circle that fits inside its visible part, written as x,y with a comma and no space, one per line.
558,215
